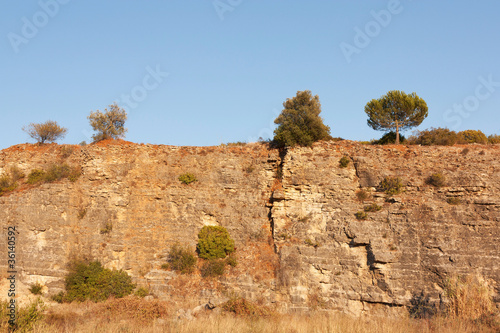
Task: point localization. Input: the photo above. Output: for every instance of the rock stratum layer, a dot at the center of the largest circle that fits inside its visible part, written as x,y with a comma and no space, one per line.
292,215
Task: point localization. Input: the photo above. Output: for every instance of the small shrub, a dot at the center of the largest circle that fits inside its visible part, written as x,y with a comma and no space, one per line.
214,242
36,289
465,151
231,260
421,307
83,143
309,242
59,297
108,227
181,259
57,172
344,162
66,151
250,168
493,139
16,174
242,307
7,184
141,292
36,176
436,179
81,213
391,185
361,215
435,136
389,139
472,136
187,178
372,208
213,268
94,282
29,316
362,195
454,201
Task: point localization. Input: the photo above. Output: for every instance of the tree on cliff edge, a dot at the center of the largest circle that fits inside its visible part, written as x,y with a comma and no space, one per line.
299,121
48,131
108,125
396,111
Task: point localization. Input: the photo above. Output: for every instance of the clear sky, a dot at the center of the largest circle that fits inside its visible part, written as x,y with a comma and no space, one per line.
207,72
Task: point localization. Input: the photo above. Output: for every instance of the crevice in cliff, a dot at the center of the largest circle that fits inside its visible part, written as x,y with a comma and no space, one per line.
277,193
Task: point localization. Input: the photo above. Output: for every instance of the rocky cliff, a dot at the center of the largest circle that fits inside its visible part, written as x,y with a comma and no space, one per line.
291,213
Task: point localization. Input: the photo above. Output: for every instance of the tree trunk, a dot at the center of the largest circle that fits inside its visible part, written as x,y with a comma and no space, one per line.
397,133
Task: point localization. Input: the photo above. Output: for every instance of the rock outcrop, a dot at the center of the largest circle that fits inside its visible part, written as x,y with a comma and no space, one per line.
292,215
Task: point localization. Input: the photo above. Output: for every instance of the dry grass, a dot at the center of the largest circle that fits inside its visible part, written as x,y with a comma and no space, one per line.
93,322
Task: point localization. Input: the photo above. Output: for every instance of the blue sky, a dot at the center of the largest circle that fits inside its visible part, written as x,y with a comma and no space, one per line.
216,71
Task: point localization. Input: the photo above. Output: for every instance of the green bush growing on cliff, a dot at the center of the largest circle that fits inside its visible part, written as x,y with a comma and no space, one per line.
214,242
181,259
187,178
91,281
435,137
8,182
213,268
36,176
436,179
389,139
391,185
494,139
344,162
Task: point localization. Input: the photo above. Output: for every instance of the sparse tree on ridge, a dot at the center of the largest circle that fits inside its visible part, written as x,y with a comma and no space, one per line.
396,111
48,131
299,121
108,125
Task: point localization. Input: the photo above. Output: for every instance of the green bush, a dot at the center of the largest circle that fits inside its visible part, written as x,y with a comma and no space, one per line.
362,195
372,208
231,260
214,242
436,179
36,289
187,178
141,292
435,137
36,176
494,139
213,268
472,136
391,185
361,215
94,282
344,162
389,139
454,201
7,184
181,259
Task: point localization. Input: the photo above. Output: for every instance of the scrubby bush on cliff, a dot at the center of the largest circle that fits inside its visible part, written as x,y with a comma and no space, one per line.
344,162
214,242
54,173
299,122
110,124
94,282
242,307
472,136
389,138
372,208
8,182
48,131
391,185
436,179
434,137
187,178
213,268
181,259
361,215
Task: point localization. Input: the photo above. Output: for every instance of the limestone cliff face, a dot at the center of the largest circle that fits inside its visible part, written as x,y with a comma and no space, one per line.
299,244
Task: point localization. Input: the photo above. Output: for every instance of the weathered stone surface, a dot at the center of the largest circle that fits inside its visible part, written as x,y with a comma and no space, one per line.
298,241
